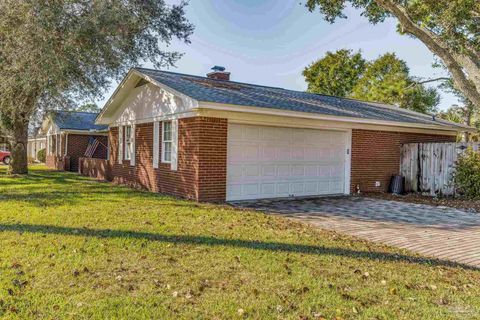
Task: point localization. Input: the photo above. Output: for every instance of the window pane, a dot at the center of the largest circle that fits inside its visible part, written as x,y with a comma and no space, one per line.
128,132
167,131
167,151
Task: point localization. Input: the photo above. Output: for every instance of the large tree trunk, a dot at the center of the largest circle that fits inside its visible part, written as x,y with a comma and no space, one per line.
19,143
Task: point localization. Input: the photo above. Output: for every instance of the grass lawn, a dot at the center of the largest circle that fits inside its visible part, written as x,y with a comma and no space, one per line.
73,248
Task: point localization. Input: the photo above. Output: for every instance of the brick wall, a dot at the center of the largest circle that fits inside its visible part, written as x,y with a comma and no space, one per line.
58,162
376,156
202,154
94,168
77,145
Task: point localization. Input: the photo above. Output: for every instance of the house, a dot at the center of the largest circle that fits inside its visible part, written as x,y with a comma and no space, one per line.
212,139
4,144
36,142
71,135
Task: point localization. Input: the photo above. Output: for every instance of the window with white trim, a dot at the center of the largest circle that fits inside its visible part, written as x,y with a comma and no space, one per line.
167,141
128,142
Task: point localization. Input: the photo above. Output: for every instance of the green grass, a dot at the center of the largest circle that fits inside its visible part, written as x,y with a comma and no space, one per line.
73,248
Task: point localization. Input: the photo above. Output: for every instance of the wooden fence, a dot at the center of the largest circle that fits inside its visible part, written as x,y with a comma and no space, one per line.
429,167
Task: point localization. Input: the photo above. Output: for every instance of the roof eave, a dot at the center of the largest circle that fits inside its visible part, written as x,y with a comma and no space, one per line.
273,111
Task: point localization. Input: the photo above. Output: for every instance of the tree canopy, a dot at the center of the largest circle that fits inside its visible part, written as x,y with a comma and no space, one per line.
335,74
450,29
56,52
347,74
88,107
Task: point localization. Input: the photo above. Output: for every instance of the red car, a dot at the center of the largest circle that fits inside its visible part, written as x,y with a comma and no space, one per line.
5,157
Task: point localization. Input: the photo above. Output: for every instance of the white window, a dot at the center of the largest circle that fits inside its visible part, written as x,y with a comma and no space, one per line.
128,142
167,141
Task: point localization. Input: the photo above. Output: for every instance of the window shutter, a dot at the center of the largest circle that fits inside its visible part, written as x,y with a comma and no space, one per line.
132,139
120,144
174,165
156,143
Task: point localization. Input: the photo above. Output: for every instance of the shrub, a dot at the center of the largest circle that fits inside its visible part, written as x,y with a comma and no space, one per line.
467,174
31,160
42,155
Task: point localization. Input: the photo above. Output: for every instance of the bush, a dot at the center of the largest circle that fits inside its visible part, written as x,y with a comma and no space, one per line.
467,174
31,160
42,155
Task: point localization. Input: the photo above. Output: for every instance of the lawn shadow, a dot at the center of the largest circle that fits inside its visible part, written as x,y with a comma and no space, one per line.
236,243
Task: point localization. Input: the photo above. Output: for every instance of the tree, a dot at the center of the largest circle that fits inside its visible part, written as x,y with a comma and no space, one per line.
385,79
450,29
88,107
56,52
335,74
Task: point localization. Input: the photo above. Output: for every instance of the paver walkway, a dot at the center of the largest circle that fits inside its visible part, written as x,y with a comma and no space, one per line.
439,232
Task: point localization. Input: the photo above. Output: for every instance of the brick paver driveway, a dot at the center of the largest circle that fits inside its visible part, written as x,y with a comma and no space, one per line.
439,232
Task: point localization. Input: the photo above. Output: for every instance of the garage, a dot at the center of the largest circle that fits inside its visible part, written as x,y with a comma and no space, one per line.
272,162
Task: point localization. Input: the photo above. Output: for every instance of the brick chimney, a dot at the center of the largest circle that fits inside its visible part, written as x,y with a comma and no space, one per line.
219,73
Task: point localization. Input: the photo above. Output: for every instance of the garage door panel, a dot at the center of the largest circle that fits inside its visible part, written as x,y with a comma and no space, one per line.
267,162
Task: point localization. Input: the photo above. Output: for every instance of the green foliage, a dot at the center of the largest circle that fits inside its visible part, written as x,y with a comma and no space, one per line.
335,74
467,174
450,29
88,107
386,79
55,53
42,155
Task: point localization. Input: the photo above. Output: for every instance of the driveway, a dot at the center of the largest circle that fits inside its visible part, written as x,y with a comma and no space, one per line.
440,232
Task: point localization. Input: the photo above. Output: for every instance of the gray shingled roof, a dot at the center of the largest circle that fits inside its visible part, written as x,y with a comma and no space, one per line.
72,120
235,93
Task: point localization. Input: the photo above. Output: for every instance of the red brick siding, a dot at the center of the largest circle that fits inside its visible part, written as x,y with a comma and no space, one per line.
94,168
212,155
376,156
201,170
58,162
77,145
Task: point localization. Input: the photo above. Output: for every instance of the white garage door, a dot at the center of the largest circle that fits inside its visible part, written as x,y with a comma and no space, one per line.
269,162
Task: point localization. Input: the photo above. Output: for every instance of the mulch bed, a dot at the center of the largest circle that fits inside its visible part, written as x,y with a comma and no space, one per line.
465,204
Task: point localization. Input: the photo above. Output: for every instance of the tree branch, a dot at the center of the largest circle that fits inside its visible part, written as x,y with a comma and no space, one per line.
438,47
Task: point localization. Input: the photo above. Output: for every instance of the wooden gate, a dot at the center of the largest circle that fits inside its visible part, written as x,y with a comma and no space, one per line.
429,167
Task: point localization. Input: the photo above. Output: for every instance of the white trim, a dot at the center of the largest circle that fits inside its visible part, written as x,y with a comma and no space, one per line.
132,151
156,144
284,121
348,160
168,117
66,144
120,145
127,149
174,155
308,115
166,141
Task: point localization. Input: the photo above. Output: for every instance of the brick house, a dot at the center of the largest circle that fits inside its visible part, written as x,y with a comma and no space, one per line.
71,135
212,139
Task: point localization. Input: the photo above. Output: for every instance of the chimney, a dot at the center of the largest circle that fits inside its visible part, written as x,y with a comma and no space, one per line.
219,73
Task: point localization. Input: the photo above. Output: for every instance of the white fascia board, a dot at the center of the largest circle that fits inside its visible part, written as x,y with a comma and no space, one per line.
85,132
308,115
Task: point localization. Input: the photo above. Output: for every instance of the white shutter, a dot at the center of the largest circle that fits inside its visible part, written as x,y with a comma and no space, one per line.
120,144
156,142
173,165
132,139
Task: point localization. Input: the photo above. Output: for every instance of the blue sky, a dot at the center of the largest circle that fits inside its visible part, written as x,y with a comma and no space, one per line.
270,42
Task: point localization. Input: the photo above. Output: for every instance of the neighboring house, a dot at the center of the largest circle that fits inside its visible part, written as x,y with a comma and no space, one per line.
4,144
72,135
212,139
36,142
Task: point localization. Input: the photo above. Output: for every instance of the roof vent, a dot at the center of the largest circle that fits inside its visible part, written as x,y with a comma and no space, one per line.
219,73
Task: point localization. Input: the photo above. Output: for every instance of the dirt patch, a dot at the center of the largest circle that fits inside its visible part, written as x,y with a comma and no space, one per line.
467,205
